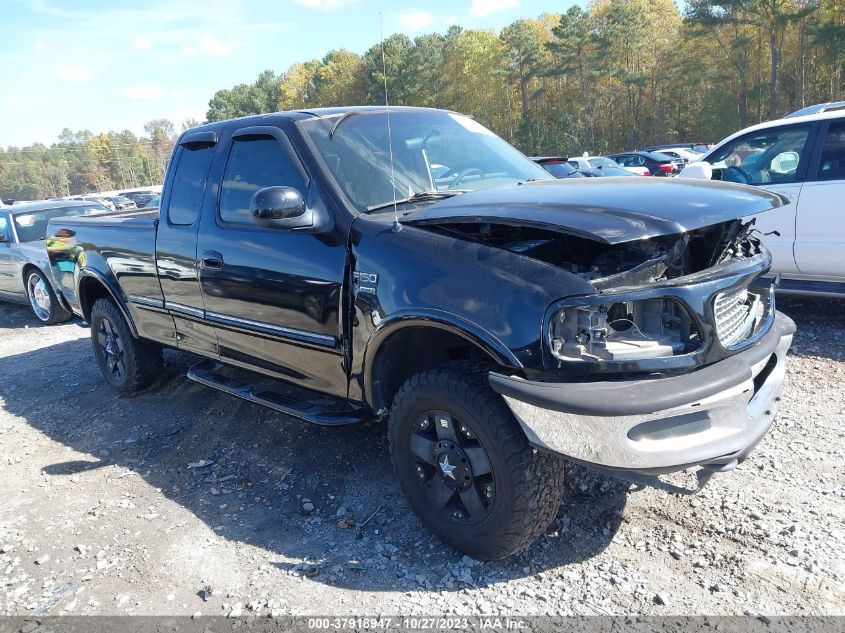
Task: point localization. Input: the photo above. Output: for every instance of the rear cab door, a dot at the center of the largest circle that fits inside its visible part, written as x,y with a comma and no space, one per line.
820,223
185,194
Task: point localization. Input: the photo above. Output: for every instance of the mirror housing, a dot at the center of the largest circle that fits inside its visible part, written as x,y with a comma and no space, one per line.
699,169
280,207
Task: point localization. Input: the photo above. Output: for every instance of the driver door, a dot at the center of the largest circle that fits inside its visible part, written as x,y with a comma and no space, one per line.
775,159
8,279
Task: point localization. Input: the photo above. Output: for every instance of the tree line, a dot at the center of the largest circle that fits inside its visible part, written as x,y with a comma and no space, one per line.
614,75
82,162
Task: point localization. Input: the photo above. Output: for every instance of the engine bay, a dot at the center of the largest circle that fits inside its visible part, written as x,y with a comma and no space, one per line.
617,265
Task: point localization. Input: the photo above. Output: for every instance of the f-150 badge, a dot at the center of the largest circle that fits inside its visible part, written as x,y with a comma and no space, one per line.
364,282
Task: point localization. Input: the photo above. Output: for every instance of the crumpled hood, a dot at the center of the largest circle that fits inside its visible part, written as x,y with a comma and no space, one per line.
609,210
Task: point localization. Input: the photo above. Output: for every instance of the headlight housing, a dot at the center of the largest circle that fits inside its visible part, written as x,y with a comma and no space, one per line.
620,329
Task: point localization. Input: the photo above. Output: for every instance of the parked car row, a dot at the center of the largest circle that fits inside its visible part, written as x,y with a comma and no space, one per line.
23,256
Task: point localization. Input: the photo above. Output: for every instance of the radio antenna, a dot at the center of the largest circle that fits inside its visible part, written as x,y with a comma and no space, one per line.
396,226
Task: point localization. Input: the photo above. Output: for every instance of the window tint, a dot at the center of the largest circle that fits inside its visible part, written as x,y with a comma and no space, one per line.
254,163
832,165
4,227
189,183
764,157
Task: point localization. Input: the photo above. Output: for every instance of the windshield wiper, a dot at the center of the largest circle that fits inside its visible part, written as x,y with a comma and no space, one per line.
420,196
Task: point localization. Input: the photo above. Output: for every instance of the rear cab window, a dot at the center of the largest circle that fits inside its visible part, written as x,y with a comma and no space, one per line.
188,185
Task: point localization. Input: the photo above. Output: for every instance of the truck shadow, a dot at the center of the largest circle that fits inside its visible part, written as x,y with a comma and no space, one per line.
821,325
244,471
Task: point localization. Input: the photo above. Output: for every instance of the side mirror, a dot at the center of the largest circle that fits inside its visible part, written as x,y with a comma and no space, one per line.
280,207
699,169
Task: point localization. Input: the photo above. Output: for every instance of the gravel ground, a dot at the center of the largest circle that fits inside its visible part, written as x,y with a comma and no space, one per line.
184,500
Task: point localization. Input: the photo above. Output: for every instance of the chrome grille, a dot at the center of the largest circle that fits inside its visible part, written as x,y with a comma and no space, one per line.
736,312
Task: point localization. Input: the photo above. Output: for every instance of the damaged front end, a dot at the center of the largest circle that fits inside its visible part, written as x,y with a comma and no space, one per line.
668,303
676,361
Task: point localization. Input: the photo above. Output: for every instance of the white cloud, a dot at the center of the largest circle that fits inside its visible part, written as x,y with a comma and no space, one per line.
142,44
144,93
415,20
449,20
481,8
189,51
40,46
213,46
74,75
325,5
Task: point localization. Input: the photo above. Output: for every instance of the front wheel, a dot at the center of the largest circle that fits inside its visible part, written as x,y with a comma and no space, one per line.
466,465
128,364
43,300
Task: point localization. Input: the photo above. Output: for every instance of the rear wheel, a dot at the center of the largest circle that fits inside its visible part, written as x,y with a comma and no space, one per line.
467,467
43,300
128,364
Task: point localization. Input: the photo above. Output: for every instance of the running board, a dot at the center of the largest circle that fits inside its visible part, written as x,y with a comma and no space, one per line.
270,393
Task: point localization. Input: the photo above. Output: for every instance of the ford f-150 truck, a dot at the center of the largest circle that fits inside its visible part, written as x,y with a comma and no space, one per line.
498,320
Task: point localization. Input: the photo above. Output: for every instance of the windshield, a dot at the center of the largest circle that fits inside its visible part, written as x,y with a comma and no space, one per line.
601,161
32,226
432,151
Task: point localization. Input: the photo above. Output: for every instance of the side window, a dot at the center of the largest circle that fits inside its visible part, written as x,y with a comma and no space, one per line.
575,164
765,157
832,165
189,183
254,163
4,228
636,161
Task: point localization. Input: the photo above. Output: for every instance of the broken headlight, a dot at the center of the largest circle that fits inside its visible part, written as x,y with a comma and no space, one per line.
620,330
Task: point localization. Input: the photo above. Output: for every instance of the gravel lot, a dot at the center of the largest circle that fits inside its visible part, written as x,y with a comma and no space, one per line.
185,500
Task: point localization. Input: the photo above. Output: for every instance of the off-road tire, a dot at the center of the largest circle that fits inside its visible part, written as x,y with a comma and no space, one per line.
56,313
142,360
528,483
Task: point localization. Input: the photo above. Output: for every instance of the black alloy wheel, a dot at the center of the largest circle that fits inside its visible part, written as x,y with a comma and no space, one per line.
453,467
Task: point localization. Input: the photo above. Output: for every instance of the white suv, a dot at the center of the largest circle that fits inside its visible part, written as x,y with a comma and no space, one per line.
802,158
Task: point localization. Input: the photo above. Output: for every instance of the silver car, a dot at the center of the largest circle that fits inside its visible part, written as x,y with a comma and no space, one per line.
23,254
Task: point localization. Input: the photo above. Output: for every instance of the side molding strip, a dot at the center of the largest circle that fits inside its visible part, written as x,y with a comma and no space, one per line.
316,338
146,301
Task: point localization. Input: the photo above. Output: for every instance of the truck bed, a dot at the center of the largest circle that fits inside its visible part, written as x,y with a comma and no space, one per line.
125,241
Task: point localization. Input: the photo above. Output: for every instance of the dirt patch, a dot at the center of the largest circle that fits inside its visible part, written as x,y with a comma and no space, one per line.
185,500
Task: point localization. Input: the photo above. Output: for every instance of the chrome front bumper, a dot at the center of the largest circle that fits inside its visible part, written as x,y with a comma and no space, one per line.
711,417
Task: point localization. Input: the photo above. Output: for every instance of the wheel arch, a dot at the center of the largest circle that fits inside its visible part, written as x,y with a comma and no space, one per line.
93,285
409,344
28,268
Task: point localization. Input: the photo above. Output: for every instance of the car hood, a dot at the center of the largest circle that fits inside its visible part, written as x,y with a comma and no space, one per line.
609,210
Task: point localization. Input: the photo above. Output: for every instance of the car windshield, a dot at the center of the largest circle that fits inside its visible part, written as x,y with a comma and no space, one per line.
601,161
32,226
434,152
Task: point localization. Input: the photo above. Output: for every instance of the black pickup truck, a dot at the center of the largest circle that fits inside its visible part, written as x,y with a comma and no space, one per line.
408,265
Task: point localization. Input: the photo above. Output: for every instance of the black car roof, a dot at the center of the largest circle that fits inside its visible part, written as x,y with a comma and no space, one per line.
272,118
44,205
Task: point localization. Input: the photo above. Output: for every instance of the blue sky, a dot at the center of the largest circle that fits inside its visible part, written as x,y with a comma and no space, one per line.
111,65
